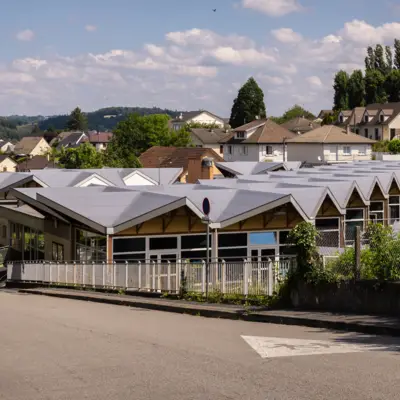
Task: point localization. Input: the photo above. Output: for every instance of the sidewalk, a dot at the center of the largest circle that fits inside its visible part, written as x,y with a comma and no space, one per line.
377,325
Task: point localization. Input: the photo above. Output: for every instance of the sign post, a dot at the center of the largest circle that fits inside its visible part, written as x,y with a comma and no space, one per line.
206,220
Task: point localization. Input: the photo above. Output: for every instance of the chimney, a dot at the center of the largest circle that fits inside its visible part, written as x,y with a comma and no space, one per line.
348,129
199,169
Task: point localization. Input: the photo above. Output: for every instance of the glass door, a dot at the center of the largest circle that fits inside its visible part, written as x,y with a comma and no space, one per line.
263,255
163,270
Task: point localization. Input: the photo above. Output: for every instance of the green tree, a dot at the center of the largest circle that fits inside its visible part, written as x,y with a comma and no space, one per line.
380,62
389,59
248,105
340,86
375,87
356,89
392,86
77,121
370,59
294,112
84,156
36,130
397,53
394,146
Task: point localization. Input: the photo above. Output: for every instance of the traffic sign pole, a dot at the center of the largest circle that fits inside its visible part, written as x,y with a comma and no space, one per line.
206,211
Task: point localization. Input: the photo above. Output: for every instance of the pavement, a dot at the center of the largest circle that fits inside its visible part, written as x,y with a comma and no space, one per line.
62,349
369,324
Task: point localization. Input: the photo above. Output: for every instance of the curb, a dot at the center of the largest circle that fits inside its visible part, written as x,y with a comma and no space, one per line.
229,314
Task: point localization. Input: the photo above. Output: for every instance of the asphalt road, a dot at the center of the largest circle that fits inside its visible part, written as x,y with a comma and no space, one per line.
66,349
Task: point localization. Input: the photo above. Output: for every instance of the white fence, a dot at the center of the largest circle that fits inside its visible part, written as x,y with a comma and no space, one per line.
246,278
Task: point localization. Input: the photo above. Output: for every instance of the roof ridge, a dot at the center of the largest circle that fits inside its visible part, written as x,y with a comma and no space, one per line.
327,134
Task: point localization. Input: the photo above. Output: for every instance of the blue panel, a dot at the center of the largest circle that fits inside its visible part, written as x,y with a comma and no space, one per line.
263,238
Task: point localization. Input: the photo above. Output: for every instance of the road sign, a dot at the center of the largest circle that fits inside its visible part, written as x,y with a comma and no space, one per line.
206,206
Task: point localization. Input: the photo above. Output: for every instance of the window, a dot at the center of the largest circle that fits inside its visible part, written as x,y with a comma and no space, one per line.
263,238
229,149
376,211
357,131
240,135
163,243
57,252
392,133
232,240
221,149
362,151
394,209
268,150
244,150
129,245
341,119
376,134
90,247
366,132
346,150
366,119
33,244
382,118
328,229
354,218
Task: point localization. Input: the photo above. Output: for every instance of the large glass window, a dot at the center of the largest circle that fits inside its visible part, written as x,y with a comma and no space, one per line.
376,211
232,239
328,229
129,245
33,244
394,209
263,238
90,247
354,218
57,252
163,243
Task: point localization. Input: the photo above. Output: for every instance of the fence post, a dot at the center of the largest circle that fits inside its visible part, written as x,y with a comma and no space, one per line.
114,275
126,274
66,273
139,275
104,274
177,274
271,282
223,272
93,274
169,276
154,276
357,253
74,272
203,277
245,278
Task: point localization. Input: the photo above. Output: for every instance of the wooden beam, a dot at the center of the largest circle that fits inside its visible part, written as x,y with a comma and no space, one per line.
170,219
138,227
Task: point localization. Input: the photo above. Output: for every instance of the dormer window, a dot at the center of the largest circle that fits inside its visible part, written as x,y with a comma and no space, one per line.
366,118
382,118
341,119
240,135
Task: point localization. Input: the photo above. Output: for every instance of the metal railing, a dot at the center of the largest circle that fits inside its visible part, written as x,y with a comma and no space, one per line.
245,278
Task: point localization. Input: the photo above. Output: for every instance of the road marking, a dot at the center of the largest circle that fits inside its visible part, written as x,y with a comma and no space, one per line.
271,347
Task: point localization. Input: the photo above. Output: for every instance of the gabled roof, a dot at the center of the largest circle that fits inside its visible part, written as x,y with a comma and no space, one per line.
100,137
301,124
175,157
189,115
346,113
36,162
71,140
27,144
209,136
267,132
331,134
5,157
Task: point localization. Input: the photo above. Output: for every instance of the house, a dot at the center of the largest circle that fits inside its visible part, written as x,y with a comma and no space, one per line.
35,163
32,146
196,117
55,140
6,147
74,139
259,140
158,227
300,125
100,140
209,138
7,164
375,121
323,113
195,162
329,143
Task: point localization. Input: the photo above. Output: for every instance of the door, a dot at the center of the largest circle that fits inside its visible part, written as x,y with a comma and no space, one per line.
262,267
163,271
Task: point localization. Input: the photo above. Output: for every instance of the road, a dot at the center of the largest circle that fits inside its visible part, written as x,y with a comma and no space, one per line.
66,349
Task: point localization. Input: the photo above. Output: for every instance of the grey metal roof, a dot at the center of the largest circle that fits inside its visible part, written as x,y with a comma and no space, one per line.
255,168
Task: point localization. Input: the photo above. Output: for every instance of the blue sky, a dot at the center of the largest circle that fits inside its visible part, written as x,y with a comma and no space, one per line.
180,54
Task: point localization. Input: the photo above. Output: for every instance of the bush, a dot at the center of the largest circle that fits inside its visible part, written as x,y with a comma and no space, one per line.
381,147
394,146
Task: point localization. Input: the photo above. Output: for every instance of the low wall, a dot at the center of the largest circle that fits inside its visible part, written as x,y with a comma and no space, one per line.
366,297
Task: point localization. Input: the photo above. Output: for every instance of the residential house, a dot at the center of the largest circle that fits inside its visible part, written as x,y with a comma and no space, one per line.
323,113
6,147
36,163
7,164
55,140
375,121
73,140
209,138
100,140
259,140
32,146
301,125
329,143
197,117
195,162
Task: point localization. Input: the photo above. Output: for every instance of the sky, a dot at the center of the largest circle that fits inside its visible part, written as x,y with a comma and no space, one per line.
180,54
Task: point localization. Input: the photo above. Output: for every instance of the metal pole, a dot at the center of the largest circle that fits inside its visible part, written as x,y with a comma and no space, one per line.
357,252
208,256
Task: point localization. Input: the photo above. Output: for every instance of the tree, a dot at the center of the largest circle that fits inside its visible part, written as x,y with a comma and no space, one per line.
77,121
370,59
248,105
380,62
392,86
397,53
293,112
389,59
84,156
36,130
394,146
375,87
356,89
341,99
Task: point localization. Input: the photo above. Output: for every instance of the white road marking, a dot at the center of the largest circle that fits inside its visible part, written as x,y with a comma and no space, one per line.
271,347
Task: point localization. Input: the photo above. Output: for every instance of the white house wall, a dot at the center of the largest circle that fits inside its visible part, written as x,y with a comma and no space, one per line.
308,152
138,180
94,181
333,152
205,118
253,153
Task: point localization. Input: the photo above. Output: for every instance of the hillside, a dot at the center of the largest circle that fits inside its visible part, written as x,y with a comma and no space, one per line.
11,130
104,119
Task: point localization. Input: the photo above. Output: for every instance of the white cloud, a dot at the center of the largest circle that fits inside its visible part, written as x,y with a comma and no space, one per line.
91,28
314,81
155,51
25,36
274,8
361,32
287,35
246,57
275,80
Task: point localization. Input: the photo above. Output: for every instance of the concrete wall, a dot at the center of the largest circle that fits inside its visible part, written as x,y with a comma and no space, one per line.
308,152
368,297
